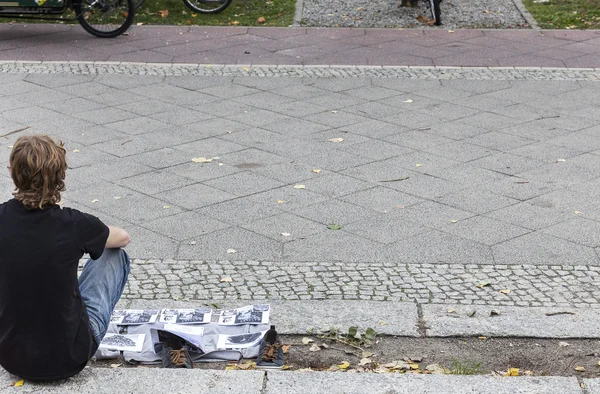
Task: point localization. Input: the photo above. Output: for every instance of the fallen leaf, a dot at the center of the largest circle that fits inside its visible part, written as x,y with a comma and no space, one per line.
192,243
452,310
334,227
306,340
560,160
19,383
247,365
396,180
167,207
139,23
577,212
482,338
366,354
286,234
334,112
261,20
201,160
419,165
483,284
286,348
234,23
75,150
117,197
505,291
564,344
344,365
528,373
494,312
471,313
408,101
115,365
435,369
281,201
163,13
314,348
453,221
413,366
335,139
450,31
580,369
365,361
299,187
512,372
382,323
316,170
229,251
226,279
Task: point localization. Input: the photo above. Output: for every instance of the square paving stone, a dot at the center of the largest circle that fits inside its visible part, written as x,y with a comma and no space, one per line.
161,158
202,171
460,151
334,212
243,183
577,140
421,162
258,117
485,230
332,245
275,226
154,182
104,115
541,249
499,141
324,158
432,214
335,118
139,209
125,145
185,225
147,107
295,127
335,101
456,130
478,201
286,198
102,193
375,128
563,174
180,116
372,110
240,211
247,245
579,230
531,216
435,247
417,139
468,175
195,196
385,228
425,186
414,120
375,149
229,91
507,163
335,185
209,147
83,156
87,133
85,177
138,125
521,188
546,152
251,158
289,172
382,199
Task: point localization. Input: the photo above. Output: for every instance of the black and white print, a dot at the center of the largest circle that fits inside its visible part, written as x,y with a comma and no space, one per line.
134,316
125,342
239,341
252,314
186,316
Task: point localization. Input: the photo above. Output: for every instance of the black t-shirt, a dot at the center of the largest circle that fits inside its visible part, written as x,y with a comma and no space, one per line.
44,326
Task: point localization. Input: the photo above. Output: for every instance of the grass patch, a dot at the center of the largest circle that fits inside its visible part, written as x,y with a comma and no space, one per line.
566,14
464,368
240,12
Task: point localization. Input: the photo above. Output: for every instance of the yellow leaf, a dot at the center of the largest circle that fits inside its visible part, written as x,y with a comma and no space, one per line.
580,369
366,354
482,285
344,365
261,20
167,207
286,348
382,323
229,251
19,383
335,139
231,367
306,340
413,366
512,372
245,68
450,31
281,201
408,101
528,373
139,23
234,23
316,170
453,221
163,13
577,212
452,310
505,291
115,365
285,367
226,279
201,160
299,187
75,150
194,15
286,234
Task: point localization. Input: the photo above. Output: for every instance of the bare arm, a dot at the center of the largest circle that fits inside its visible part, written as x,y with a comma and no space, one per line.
117,238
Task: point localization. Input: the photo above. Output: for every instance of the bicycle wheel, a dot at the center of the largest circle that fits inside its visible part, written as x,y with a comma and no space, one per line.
207,6
139,4
434,5
105,18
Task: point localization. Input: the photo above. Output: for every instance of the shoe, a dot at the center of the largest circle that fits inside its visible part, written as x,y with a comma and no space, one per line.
270,351
177,358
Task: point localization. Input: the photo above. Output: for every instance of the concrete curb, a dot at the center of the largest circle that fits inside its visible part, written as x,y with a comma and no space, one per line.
156,380
415,320
298,13
526,14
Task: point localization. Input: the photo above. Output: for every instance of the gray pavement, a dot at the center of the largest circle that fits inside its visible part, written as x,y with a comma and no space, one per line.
96,380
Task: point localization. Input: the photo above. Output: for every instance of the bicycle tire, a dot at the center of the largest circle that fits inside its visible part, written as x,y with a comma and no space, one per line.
119,29
436,12
139,4
194,5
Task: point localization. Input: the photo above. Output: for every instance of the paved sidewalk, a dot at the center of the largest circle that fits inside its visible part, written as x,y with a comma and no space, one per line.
306,46
200,381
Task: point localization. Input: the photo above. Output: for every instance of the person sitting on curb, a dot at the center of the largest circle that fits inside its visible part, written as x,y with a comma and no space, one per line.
51,323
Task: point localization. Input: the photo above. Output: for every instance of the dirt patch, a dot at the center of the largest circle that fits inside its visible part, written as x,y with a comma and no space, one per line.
542,357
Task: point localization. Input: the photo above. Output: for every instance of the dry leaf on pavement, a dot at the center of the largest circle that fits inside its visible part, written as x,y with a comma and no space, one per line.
299,187
229,251
314,348
163,13
580,369
335,139
226,279
344,365
306,340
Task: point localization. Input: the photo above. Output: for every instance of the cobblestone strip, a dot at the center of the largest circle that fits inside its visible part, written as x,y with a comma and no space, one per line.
168,69
526,285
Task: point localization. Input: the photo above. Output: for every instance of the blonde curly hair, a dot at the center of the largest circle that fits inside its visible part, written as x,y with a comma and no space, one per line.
38,168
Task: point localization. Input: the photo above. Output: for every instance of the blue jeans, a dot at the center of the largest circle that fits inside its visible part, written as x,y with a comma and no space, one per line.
101,284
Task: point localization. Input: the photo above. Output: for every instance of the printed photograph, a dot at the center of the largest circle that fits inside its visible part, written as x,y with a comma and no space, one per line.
239,341
134,316
129,342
